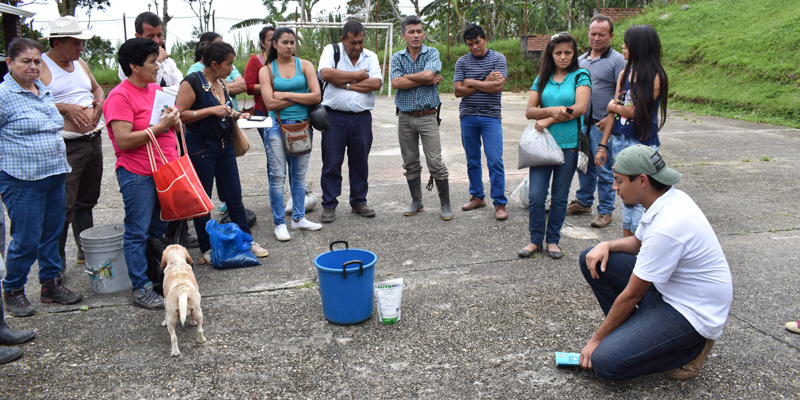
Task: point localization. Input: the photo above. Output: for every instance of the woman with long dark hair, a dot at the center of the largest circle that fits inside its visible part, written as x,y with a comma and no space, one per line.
209,129
559,98
642,90
252,69
288,85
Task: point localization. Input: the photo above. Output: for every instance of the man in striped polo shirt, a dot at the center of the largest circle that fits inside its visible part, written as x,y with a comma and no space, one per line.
479,79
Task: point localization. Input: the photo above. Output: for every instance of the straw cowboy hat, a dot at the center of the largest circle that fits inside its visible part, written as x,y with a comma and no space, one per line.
68,27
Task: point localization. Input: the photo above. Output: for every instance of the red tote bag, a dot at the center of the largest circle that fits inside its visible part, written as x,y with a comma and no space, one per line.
179,189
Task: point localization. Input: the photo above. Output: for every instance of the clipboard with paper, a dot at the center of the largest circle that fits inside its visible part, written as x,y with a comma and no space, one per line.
162,99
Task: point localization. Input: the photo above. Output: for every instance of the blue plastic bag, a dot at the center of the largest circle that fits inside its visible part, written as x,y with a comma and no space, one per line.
230,246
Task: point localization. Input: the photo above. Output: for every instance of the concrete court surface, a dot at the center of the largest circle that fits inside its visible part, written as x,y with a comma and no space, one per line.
477,321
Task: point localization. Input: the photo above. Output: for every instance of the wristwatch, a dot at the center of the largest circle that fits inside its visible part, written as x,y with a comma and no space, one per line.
348,85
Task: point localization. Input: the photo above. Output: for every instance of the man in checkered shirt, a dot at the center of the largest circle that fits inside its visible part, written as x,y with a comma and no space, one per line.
415,75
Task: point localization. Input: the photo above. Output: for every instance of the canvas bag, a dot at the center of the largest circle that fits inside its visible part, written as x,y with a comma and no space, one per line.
179,189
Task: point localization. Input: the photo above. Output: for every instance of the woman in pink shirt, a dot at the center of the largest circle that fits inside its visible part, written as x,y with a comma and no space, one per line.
127,112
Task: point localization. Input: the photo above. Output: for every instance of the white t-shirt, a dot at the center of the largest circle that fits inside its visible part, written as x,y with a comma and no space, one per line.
343,99
168,72
682,257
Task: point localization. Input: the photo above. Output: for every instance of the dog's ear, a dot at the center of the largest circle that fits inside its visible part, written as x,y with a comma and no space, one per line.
188,257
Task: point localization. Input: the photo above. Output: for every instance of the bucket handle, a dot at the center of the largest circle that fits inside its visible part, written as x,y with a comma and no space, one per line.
360,268
346,246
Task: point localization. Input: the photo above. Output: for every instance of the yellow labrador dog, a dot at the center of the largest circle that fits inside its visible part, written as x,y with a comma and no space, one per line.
181,293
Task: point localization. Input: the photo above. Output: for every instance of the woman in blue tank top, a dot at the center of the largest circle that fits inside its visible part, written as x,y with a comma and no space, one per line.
642,89
288,85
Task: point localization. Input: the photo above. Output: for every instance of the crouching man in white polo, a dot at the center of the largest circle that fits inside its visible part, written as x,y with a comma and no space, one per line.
673,269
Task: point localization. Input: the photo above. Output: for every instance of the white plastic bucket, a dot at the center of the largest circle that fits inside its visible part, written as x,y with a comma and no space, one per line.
105,259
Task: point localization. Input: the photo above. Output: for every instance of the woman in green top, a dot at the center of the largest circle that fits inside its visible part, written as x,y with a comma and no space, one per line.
288,85
559,98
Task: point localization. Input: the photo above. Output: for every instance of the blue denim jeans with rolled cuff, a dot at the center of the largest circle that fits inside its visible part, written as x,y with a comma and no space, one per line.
142,221
214,158
278,162
475,128
37,210
631,215
601,178
539,222
655,338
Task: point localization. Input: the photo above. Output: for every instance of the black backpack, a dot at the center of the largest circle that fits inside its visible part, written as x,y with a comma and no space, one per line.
322,84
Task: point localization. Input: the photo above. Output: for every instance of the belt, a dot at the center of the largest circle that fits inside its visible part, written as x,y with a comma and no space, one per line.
88,136
344,112
421,113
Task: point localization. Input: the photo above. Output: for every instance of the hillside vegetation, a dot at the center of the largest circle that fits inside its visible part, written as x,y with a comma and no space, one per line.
732,58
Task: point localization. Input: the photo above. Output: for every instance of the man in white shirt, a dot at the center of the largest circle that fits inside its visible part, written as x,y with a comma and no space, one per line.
673,269
148,25
349,95
79,98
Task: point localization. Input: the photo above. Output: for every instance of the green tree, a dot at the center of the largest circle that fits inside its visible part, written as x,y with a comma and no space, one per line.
67,7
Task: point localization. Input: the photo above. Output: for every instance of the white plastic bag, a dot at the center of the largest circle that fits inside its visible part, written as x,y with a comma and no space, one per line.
537,148
522,193
310,202
389,295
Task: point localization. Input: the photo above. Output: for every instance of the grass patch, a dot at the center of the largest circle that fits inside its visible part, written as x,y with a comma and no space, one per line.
766,158
304,286
747,159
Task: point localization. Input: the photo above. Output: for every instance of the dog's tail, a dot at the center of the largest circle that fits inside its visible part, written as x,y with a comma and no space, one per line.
183,297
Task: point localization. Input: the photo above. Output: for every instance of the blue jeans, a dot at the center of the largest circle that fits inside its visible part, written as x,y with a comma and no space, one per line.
631,215
601,178
539,179
277,161
655,338
350,133
37,210
142,221
473,128
215,158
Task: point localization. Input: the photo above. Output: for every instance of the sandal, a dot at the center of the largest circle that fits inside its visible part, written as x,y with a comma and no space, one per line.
555,255
525,253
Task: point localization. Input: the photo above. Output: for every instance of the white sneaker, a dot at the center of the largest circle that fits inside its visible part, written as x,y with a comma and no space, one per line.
259,251
306,225
282,233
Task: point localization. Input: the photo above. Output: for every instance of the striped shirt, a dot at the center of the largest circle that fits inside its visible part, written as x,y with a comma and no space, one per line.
478,68
605,72
31,146
423,97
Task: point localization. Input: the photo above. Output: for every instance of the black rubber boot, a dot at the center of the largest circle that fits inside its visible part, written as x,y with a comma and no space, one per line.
8,354
415,187
10,336
83,220
443,187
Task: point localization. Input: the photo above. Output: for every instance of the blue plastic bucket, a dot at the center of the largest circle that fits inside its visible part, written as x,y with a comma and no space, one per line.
345,284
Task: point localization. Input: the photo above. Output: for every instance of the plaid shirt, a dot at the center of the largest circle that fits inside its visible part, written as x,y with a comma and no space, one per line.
423,97
31,147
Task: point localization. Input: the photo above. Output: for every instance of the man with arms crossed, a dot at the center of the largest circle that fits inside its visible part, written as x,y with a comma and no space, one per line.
673,269
479,78
605,65
415,74
349,96
79,99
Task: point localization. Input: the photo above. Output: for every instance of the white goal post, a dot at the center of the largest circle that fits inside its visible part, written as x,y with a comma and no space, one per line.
370,25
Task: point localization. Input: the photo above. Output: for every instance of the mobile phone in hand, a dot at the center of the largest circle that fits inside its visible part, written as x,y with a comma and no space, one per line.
569,110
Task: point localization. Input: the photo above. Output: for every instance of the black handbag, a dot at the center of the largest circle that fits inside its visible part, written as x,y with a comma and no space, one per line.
318,117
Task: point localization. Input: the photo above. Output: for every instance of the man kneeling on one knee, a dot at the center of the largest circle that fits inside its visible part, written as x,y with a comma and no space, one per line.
673,269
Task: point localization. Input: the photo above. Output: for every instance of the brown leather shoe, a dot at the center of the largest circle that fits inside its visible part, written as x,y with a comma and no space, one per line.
601,221
576,208
474,203
692,369
500,212
364,210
